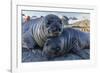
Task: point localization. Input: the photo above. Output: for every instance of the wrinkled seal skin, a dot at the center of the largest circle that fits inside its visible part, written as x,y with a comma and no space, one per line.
39,29
71,40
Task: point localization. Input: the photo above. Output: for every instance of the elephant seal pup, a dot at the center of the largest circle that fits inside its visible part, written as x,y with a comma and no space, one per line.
71,40
38,31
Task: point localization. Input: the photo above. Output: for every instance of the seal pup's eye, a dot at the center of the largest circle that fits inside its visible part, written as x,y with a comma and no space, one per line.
48,41
47,25
60,22
47,44
48,22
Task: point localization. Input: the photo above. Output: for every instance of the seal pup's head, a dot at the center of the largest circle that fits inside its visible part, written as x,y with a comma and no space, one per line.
52,47
53,25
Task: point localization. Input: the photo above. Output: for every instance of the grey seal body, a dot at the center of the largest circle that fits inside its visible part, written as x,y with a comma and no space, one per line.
70,40
40,29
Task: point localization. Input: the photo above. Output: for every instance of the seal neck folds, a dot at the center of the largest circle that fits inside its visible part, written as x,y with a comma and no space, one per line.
40,33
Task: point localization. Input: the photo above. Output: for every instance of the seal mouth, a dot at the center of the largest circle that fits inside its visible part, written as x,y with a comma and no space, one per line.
57,54
56,33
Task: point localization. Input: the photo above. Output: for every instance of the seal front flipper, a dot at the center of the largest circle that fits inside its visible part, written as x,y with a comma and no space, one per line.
27,41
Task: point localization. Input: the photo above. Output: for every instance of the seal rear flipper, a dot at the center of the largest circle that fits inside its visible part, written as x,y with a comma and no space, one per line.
81,53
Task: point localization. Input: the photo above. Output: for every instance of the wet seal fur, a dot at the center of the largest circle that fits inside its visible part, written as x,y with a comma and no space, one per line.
71,40
39,29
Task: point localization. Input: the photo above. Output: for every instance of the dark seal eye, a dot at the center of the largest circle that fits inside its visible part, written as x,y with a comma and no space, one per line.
59,29
47,44
48,23
60,22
